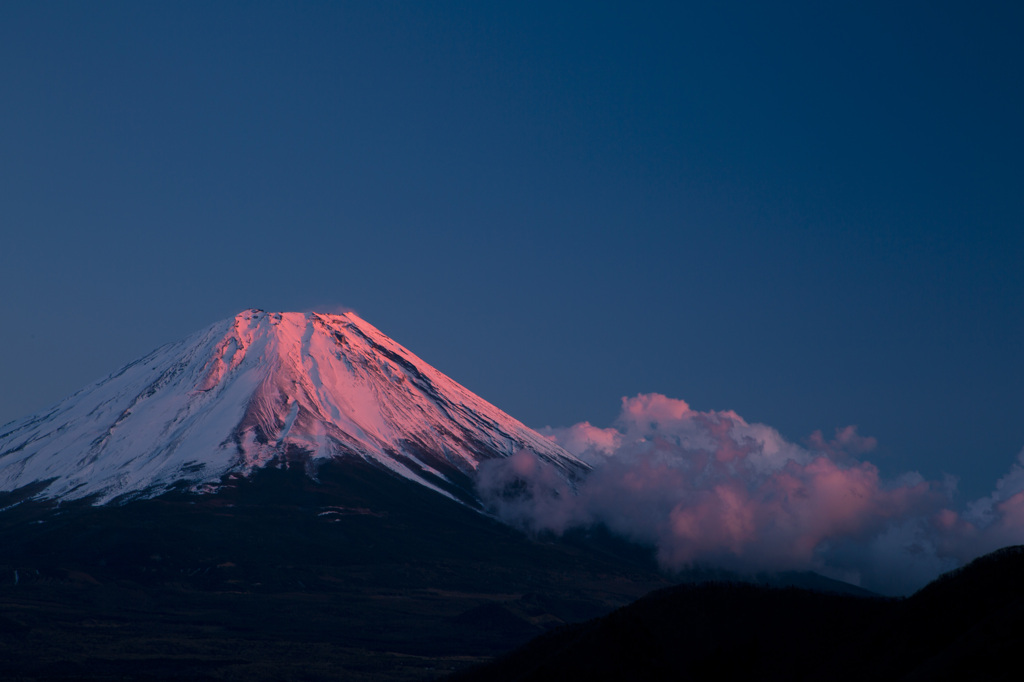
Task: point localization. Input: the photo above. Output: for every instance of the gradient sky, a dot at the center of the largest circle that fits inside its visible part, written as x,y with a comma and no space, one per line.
813,216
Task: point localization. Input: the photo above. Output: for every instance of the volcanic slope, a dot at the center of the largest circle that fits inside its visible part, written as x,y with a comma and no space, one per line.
264,388
288,497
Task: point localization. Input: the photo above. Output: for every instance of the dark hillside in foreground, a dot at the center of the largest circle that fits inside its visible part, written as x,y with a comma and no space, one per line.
697,632
359,575
967,625
363,576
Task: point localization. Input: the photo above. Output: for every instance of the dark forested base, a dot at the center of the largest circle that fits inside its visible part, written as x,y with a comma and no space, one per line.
967,625
357,575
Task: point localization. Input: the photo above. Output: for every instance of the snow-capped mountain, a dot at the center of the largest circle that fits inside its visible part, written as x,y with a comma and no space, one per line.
264,389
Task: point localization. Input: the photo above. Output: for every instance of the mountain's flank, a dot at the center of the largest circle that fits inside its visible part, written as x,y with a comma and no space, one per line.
264,389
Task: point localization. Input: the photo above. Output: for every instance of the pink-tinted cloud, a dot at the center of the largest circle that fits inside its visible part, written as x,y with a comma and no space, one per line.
846,441
590,443
988,523
707,487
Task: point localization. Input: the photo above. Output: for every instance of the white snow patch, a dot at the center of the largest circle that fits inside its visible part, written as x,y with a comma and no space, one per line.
234,396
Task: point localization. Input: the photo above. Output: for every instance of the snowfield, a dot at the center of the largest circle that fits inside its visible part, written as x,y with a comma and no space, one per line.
264,389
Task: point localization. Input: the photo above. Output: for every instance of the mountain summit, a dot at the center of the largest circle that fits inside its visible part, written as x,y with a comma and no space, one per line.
264,389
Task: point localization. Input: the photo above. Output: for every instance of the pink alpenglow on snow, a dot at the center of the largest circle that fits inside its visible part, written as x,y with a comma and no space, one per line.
265,388
702,487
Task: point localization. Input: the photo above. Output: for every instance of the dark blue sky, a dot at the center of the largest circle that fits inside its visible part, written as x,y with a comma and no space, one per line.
811,215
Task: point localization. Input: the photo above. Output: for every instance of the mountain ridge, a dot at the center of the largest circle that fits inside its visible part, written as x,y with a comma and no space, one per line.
262,389
965,624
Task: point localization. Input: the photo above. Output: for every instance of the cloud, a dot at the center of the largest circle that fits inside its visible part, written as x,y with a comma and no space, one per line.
330,308
846,442
528,492
707,487
988,523
589,443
